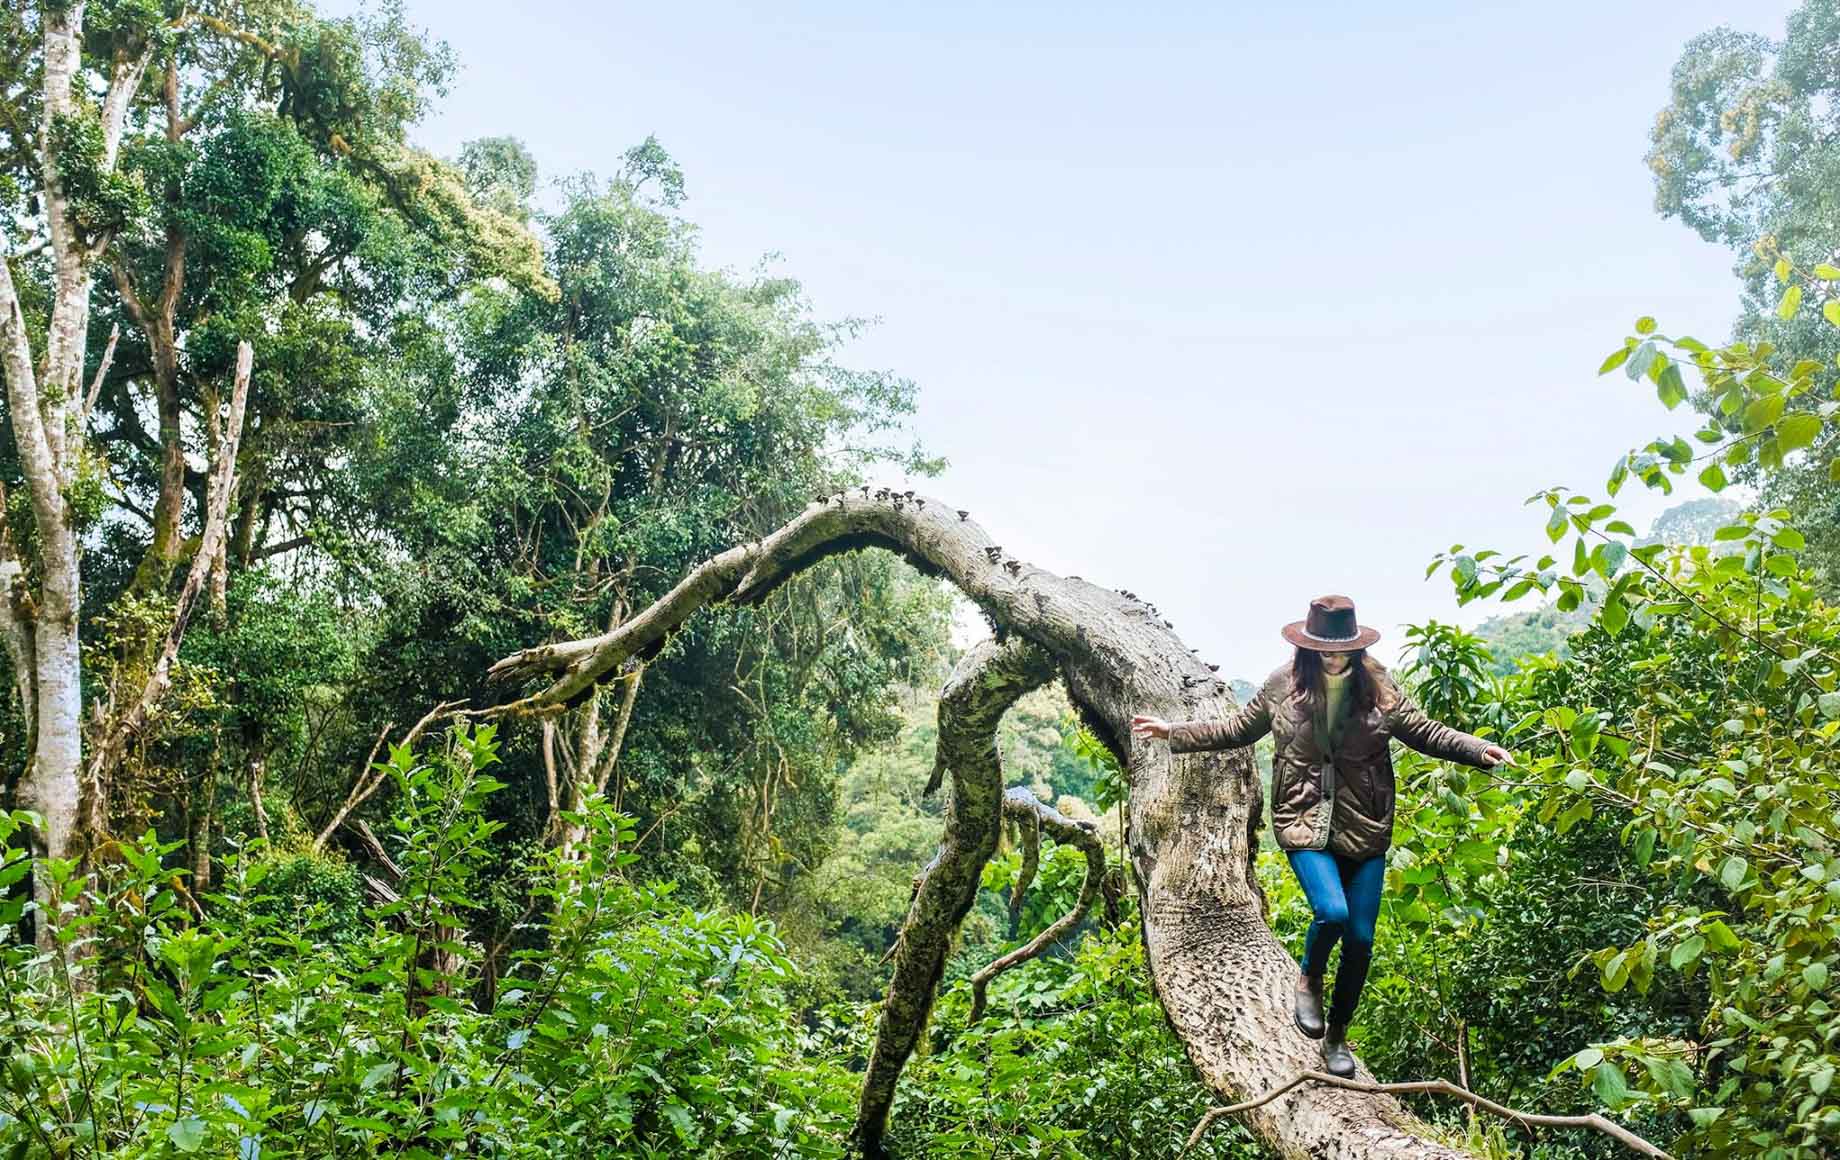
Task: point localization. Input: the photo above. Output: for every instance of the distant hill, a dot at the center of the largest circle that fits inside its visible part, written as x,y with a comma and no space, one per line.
1546,629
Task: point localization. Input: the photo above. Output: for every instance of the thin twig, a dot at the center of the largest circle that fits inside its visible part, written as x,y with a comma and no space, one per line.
102,372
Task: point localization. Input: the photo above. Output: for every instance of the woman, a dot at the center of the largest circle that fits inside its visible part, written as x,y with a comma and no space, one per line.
1331,713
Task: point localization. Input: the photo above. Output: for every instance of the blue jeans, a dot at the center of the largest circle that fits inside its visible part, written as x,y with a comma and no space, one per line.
1345,895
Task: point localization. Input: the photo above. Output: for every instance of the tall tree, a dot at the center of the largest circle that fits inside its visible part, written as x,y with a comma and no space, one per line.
1747,154
81,200
651,412
244,177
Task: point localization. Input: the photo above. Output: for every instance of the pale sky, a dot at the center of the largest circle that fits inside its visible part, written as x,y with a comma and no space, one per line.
1228,304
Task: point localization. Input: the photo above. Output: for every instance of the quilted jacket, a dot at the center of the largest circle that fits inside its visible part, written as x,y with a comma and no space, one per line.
1343,804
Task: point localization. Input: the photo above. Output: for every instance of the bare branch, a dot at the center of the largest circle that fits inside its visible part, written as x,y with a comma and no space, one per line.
1035,817
1593,1121
371,778
102,372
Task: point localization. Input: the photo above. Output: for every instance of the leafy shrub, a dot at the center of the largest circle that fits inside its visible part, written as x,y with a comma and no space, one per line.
1074,1058
637,1028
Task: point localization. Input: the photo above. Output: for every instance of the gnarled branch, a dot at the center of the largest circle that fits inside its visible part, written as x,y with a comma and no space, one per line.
1035,816
986,682
1593,1121
1192,821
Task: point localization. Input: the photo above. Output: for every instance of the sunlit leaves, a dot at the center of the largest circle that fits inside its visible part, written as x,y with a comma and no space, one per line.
1706,711
1641,360
1790,303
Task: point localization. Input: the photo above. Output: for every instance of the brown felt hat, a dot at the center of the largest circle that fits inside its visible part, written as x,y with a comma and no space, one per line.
1330,627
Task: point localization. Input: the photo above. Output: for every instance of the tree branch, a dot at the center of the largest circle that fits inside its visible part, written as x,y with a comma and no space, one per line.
1035,817
222,478
371,777
1192,820
1593,1121
982,688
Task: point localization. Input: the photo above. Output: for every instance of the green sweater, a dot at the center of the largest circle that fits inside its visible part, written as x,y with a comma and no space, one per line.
1335,701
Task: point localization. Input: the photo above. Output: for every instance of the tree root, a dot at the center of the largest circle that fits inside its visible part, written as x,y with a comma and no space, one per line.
1035,816
1594,1121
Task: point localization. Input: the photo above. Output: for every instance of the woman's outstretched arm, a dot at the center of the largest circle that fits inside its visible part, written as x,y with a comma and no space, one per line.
1436,739
1242,727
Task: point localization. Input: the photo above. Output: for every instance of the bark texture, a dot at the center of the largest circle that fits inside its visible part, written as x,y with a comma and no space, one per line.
986,682
1222,977
45,402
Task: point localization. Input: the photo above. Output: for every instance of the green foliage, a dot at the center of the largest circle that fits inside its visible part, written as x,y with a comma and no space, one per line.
1696,719
639,1029
100,197
1075,1058
320,897
1053,892
1745,154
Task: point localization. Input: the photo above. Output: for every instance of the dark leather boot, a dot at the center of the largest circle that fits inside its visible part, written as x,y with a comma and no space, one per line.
1336,1056
1309,1008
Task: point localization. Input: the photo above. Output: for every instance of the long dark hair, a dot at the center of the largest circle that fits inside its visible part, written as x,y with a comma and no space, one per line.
1306,676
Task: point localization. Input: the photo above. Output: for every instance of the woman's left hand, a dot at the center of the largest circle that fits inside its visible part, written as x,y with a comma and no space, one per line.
1496,755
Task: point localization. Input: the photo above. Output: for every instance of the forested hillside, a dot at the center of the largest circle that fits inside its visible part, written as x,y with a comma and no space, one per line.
374,781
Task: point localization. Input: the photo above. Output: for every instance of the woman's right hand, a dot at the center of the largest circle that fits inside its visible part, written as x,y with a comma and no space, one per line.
1154,727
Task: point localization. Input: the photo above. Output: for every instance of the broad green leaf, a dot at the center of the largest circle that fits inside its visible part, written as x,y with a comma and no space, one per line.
1640,361
186,1133
1669,387
1815,975
1671,1076
1830,310
1733,871
1616,359
1608,557
1797,431
1608,1082
1791,302
1555,526
1713,478
1762,412
1615,614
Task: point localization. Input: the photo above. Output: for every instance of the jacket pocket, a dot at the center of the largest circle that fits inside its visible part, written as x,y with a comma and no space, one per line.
1302,804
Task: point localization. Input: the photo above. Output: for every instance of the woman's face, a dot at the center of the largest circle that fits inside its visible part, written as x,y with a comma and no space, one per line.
1334,662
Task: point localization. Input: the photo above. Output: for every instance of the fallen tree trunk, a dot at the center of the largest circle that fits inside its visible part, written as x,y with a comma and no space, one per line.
1223,979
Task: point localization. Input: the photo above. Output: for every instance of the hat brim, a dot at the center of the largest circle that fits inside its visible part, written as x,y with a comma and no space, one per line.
1294,633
